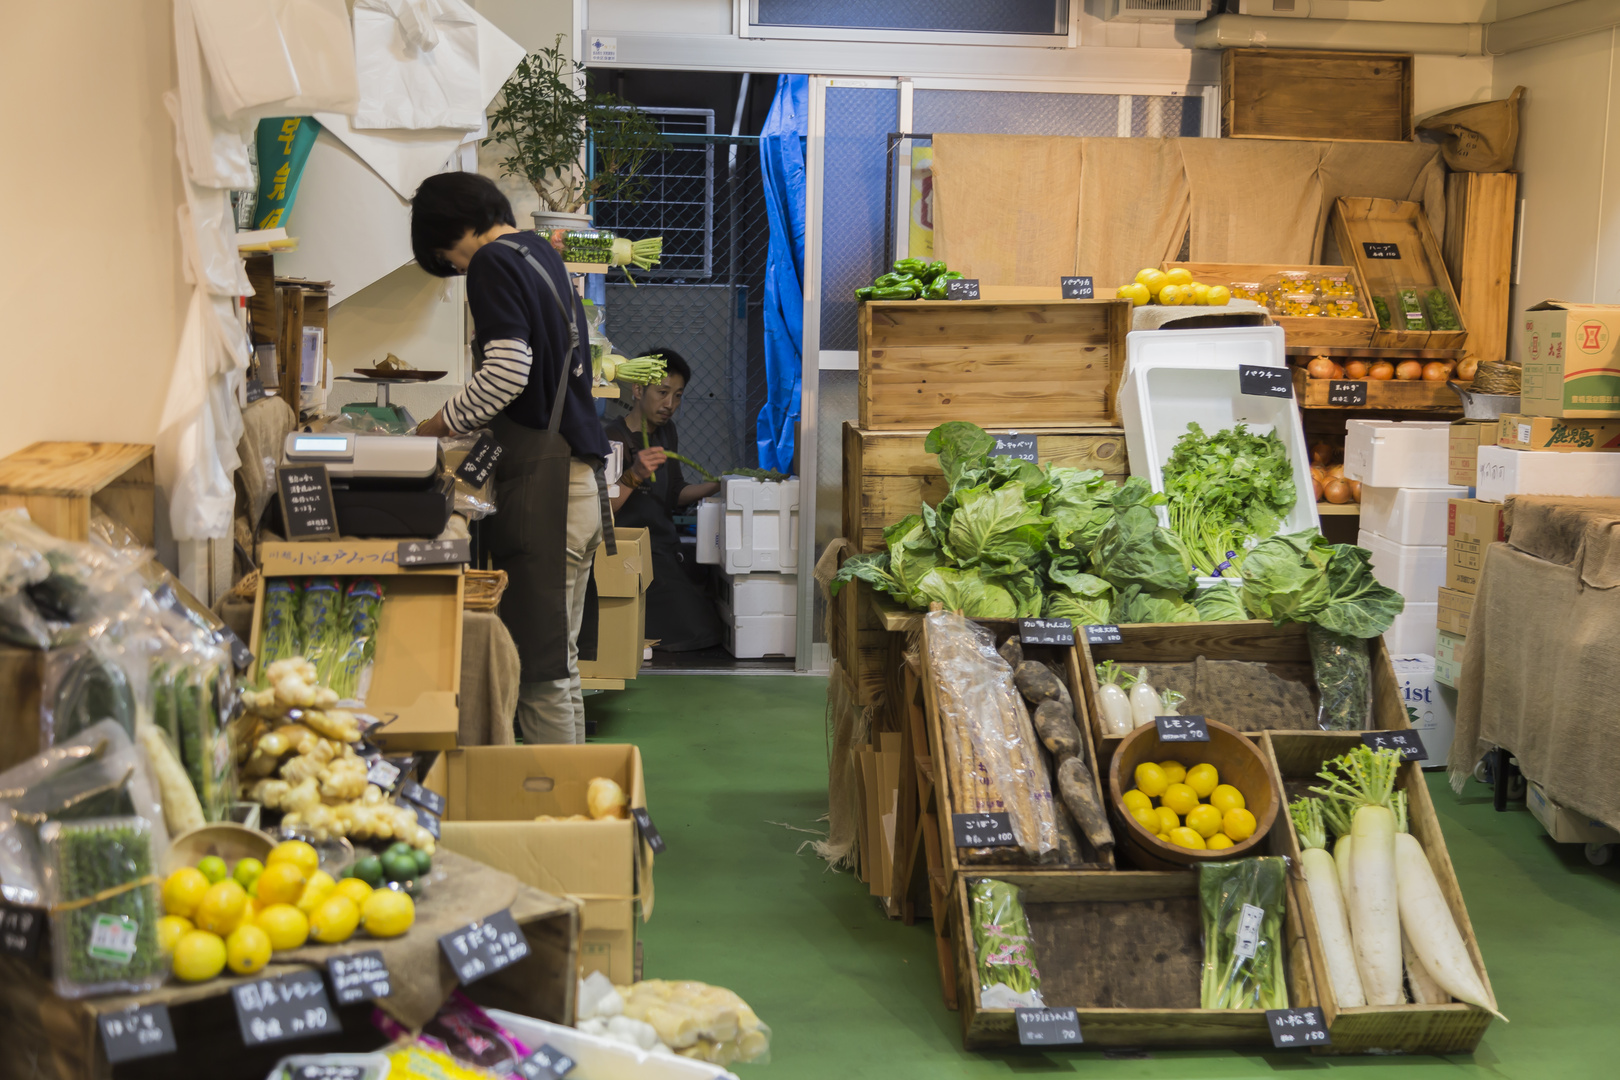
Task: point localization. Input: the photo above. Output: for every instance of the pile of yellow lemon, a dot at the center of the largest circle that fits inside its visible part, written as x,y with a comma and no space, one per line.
1169,800
216,917
1172,288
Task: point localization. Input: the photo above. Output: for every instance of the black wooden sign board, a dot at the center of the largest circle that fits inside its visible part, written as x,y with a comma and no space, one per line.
421,796
1076,288
140,1031
359,977
255,391
484,946
1046,631
1048,1027
962,289
1182,728
480,461
1341,392
1381,251
983,830
1297,1027
434,552
649,831
1263,380
546,1063
241,655
20,929
1103,634
428,820
306,501
1409,743
291,1006
327,1070
1014,445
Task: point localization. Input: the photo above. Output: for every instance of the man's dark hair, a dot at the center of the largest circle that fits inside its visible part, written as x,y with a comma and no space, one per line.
675,363
445,208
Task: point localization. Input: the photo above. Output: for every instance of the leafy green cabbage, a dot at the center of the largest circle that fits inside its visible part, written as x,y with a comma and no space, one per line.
1219,602
996,527
1133,549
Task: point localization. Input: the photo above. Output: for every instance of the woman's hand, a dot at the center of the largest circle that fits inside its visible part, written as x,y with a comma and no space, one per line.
647,462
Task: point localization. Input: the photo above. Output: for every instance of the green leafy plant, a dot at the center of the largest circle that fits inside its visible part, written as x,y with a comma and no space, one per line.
1225,490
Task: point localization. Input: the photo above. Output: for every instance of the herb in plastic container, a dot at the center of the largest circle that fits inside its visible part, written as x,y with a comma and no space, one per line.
104,906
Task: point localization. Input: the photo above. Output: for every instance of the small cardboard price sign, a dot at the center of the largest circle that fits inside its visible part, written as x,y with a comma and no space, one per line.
1076,288
140,1031
1048,1027
291,1006
434,552
1381,251
359,977
1347,392
421,796
1046,631
1297,1027
983,830
307,509
1263,380
1103,634
649,831
1014,445
546,1063
962,289
1409,743
20,929
480,461
1182,728
484,946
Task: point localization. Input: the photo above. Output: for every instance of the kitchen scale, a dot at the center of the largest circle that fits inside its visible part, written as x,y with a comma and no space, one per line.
383,411
382,485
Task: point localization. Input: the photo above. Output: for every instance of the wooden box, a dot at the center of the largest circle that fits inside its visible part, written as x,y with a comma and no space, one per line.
59,482
1298,330
1051,365
1364,226
1300,94
22,675
1411,1029
1418,394
1479,255
862,643
888,474
278,312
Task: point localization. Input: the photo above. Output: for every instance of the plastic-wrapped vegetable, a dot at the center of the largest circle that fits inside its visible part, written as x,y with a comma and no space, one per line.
1343,671
21,566
472,503
1003,947
362,609
1242,903
85,684
102,883
204,743
320,618
279,637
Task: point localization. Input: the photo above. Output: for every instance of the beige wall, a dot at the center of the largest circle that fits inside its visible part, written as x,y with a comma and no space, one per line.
90,292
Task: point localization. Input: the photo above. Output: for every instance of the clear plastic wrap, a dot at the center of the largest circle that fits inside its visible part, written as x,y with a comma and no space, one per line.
471,502
1242,906
350,674
84,684
102,883
1003,947
1342,667
695,1020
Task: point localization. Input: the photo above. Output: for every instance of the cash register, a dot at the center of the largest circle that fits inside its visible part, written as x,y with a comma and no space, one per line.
382,485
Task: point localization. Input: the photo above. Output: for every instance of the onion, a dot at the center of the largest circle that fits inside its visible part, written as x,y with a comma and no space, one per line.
1356,369
1409,371
1336,471
1320,367
1320,453
1466,369
1435,371
1336,491
1316,484
1338,372
1381,370
1355,490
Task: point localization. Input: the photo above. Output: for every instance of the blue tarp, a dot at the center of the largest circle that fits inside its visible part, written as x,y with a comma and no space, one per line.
781,150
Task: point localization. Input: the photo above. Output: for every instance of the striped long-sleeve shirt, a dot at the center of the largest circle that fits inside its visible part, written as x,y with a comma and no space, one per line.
496,384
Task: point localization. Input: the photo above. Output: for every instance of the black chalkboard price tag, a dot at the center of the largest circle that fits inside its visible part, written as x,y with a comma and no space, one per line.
359,977
1048,1027
962,289
484,946
1046,631
255,391
1263,380
649,831
306,502
241,655
1103,634
291,1006
1341,392
1381,251
480,461
140,1031
1409,743
327,1070
421,796
546,1063
1297,1027
434,552
1182,728
983,830
20,929
1014,445
1076,288
428,820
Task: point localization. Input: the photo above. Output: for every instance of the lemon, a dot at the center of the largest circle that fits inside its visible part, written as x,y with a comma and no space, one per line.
1167,819
387,913
213,868
183,891
246,872
1165,837
1238,824
1143,274
1180,798
1135,292
170,929
354,889
1153,280
287,927
1174,771
1179,276
281,883
1173,295
1226,797
1218,842
1187,838
296,852
1150,779
1200,293
1203,779
1136,800
247,949
221,908
1204,820
1219,295
334,920
1147,817
320,886
199,956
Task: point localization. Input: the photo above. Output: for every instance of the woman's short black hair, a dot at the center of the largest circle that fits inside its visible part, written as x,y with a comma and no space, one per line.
446,208
674,363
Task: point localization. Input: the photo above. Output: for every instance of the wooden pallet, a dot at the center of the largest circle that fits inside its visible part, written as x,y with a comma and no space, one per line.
1359,222
1479,255
1301,94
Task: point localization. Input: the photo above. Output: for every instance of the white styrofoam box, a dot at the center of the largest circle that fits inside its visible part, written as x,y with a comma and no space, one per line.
1177,377
1431,706
749,637
760,532
1397,453
1416,571
1504,471
599,1058
711,530
760,594
1414,630
1408,515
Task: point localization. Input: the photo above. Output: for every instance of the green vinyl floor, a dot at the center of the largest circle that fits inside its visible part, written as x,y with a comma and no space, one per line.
736,765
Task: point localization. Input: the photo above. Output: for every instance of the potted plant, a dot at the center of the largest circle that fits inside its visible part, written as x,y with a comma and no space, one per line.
550,121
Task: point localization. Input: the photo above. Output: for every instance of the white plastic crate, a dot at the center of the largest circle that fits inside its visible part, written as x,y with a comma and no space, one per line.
755,528
1431,706
1416,571
711,530
760,594
598,1058
1408,515
1397,453
1414,630
750,637
1504,471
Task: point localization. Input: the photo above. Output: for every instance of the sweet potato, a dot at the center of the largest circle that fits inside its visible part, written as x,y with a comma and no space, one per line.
1012,651
1039,683
1054,722
1080,795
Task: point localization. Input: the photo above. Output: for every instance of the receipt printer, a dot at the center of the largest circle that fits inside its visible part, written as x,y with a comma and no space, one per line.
382,485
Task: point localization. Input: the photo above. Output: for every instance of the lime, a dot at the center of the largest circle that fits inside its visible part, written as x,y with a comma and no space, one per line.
199,956
424,861
369,870
398,865
213,868
246,872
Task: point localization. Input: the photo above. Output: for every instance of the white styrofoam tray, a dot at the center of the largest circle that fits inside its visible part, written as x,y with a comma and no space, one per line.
1408,515
751,527
1398,453
596,1058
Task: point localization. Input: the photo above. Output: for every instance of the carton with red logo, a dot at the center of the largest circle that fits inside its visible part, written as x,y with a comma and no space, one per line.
1569,355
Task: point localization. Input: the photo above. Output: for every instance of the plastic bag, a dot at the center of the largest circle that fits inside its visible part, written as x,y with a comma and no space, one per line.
1242,905
68,584
1003,948
1343,670
464,1031
472,503
85,684
22,566
709,1023
102,881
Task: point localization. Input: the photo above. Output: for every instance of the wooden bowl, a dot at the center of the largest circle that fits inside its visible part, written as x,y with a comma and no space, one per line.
227,840
1240,763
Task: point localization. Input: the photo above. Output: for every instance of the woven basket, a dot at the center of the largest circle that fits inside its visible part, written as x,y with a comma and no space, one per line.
1496,377
247,587
484,589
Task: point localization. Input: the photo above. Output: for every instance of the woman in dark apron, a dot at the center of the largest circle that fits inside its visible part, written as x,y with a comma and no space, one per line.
532,390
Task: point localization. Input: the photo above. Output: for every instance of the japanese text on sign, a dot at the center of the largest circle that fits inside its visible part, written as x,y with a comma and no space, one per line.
983,830
1014,445
1248,932
1046,631
962,289
1048,1027
139,1031
1381,251
20,930
484,947
1076,288
1297,1027
292,1006
480,461
421,796
1103,634
306,501
546,1063
1342,392
359,977
1409,743
1261,380
649,831
434,552
1182,728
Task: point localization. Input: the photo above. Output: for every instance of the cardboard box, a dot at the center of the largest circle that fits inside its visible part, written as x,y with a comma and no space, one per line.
621,599
1431,707
494,793
1467,436
1448,658
1563,824
416,677
1568,355
1472,525
1455,610
1563,436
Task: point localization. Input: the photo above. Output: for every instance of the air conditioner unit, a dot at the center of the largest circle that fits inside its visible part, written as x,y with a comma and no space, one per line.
1154,10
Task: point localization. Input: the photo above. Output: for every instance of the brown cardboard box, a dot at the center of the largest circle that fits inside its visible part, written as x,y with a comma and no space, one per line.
1563,436
1472,525
494,793
1447,658
1467,436
1455,610
621,590
1563,824
417,672
1570,364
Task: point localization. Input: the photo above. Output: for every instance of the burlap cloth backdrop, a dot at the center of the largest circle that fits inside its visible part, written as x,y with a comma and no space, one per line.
1541,668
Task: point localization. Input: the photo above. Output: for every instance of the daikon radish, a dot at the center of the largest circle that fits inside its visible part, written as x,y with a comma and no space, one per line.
1429,925
1144,700
1341,863
1113,703
1374,913
1425,991
1332,925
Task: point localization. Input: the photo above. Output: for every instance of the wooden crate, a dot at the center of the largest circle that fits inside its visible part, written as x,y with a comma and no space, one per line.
867,649
1051,365
1412,1029
278,311
1300,94
1479,255
1298,330
888,474
59,482
22,675
1358,222
1381,394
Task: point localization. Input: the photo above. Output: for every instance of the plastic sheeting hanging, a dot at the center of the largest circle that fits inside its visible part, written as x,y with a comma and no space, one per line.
781,151
418,64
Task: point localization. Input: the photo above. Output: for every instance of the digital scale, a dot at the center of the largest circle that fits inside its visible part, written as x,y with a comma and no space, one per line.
383,411
382,485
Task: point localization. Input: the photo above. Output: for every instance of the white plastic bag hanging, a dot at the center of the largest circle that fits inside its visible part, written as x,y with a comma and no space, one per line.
207,228
322,49
216,150
417,62
246,53
190,465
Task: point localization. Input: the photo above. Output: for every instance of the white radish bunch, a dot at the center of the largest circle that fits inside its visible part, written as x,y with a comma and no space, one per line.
1144,700
1113,703
1436,942
1332,923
